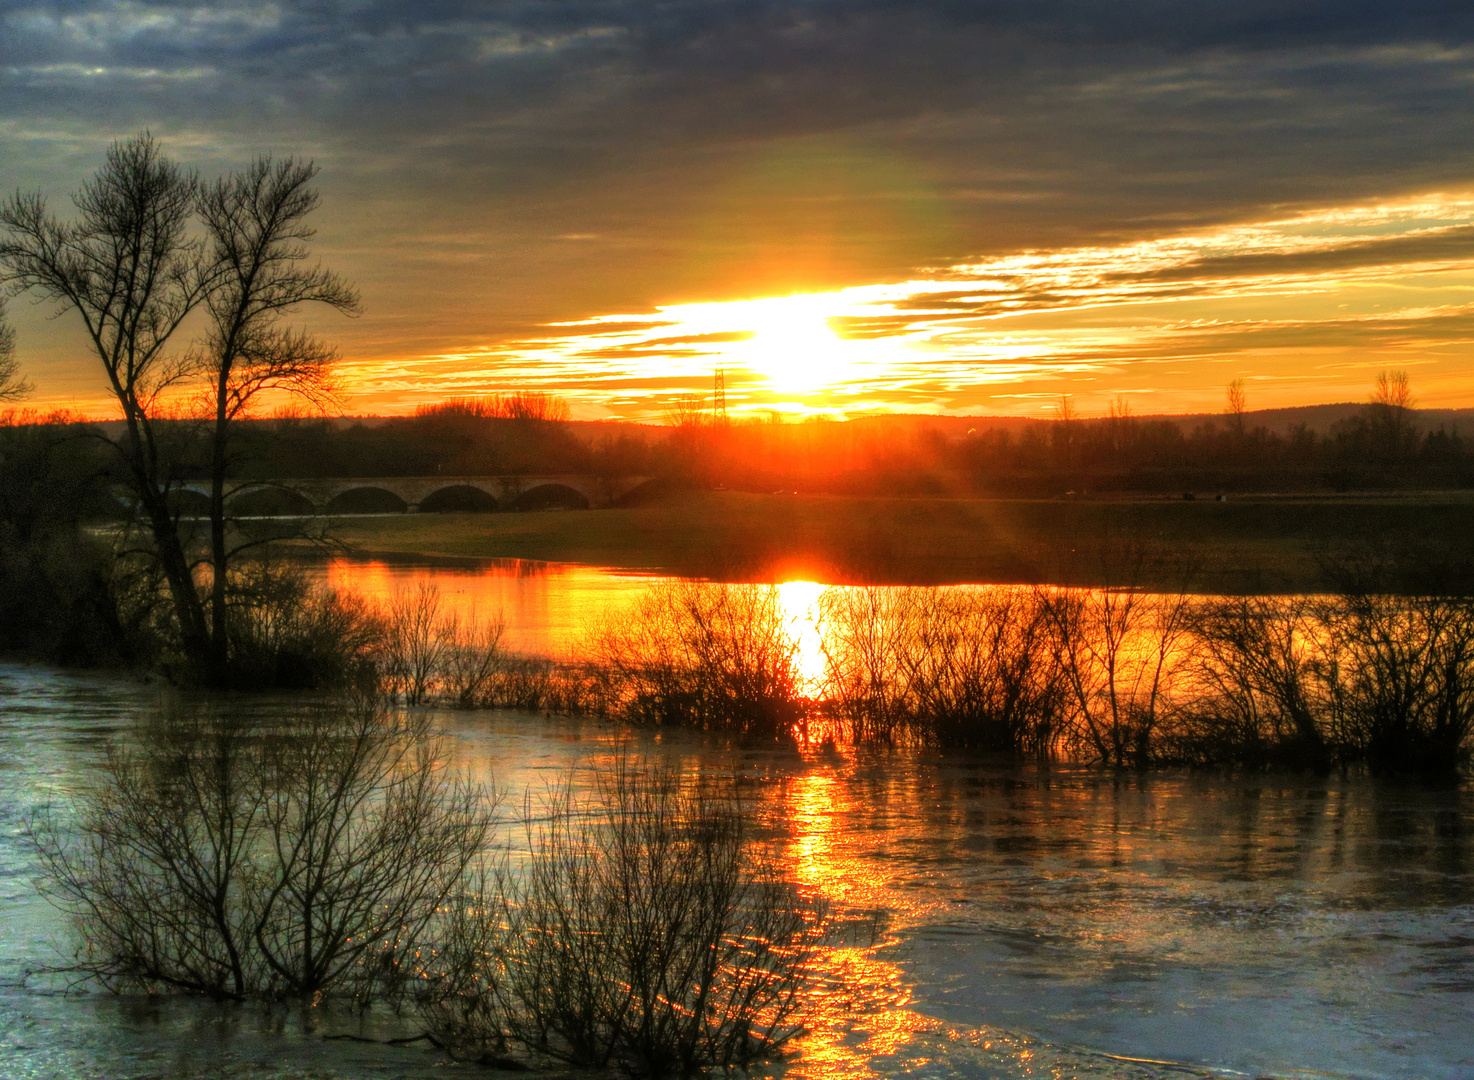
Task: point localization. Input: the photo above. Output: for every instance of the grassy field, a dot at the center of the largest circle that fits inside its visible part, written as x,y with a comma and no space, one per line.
1249,544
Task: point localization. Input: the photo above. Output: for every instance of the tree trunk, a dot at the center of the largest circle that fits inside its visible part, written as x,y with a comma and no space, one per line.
219,556
194,632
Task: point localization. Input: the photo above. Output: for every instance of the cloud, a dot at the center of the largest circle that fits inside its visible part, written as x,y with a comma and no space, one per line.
1043,156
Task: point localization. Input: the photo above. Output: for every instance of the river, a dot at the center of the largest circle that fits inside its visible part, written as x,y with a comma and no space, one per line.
1060,922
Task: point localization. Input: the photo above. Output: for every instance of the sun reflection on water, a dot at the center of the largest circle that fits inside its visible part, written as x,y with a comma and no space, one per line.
862,1009
799,601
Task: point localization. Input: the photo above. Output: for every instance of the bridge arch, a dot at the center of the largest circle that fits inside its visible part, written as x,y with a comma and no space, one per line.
551,496
187,502
369,499
459,498
271,501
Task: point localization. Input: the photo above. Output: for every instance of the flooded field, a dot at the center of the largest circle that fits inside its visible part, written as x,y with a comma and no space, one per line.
1031,922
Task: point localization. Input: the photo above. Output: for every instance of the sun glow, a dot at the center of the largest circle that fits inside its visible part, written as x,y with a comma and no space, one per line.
799,601
793,345
1303,308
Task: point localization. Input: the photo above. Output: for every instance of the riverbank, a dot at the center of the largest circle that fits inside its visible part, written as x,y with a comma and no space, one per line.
1243,545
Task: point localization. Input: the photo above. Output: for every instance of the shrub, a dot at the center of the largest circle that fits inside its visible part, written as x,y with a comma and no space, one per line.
1400,681
956,668
472,663
284,633
418,642
706,656
1259,695
1121,655
1372,679
242,858
643,931
867,635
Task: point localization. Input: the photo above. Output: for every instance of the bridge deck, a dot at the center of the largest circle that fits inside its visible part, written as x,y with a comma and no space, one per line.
505,492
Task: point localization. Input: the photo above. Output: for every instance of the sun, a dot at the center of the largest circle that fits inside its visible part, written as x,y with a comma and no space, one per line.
793,346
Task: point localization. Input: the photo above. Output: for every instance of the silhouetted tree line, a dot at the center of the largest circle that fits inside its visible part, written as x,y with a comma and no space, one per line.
452,440
1112,454
1374,450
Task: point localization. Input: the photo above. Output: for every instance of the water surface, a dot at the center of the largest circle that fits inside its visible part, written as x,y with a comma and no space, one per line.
1058,922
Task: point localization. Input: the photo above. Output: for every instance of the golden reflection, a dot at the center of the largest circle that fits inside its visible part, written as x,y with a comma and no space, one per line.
547,609
810,810
861,1014
799,601
862,1010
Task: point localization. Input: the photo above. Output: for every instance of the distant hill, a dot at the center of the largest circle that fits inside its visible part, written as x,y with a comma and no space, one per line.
1319,418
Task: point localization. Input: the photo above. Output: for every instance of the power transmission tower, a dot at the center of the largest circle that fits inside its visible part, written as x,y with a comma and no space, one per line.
719,397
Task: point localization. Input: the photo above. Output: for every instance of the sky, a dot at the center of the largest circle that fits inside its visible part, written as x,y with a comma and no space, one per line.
960,206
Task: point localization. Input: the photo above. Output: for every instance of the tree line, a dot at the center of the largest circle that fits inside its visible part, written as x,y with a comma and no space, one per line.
1381,447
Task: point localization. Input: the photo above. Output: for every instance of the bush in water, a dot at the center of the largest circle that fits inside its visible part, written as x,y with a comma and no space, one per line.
960,669
1258,696
642,931
244,858
418,642
285,634
1120,654
424,655
706,656
1115,676
1384,681
327,855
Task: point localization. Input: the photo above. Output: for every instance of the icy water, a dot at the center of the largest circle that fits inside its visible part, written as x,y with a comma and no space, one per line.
1055,923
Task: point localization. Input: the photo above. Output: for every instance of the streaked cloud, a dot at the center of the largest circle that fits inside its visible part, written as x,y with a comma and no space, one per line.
1305,305
996,202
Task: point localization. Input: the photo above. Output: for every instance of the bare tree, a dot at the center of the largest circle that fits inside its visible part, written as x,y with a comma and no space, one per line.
530,405
1063,431
133,270
255,221
12,386
514,405
1236,405
1393,390
688,413
1391,412
1119,412
129,268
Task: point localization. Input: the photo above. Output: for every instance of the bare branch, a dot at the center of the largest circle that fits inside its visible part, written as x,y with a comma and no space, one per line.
12,386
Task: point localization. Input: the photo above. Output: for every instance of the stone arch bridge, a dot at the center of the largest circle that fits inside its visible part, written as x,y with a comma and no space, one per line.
412,494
